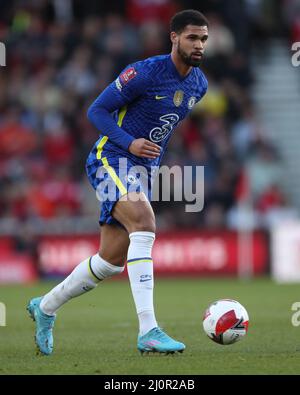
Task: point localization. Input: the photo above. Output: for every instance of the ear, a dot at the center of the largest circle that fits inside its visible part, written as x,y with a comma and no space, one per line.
174,37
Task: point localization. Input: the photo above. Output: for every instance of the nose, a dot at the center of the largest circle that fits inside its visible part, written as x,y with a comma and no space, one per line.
199,45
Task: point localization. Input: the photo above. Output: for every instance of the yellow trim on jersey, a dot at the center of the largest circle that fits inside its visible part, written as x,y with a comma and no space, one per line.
122,114
100,146
116,179
110,170
139,261
104,139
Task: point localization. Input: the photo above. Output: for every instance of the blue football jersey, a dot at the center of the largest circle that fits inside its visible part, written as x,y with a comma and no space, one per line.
149,99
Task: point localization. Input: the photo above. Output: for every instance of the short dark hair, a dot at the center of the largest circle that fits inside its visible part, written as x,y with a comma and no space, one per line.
187,17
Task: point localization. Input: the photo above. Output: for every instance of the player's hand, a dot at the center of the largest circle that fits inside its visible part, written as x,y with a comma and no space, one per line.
144,148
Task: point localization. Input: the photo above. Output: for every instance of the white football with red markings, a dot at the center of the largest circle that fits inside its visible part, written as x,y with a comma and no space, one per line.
226,321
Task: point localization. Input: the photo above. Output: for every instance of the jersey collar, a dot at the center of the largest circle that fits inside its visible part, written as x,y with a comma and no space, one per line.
175,71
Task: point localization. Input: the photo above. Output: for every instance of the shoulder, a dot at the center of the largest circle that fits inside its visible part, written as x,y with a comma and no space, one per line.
137,76
201,80
151,65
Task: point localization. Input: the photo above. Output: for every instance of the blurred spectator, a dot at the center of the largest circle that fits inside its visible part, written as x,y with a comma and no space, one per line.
142,11
16,138
263,169
291,18
221,41
62,54
245,132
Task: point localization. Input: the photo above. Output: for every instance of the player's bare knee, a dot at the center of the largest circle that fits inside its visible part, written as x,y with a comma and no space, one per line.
142,224
112,258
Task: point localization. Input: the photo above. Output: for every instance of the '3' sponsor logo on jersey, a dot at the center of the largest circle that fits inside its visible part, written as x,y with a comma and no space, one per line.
160,133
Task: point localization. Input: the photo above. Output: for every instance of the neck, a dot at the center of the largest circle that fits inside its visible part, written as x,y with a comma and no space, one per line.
182,68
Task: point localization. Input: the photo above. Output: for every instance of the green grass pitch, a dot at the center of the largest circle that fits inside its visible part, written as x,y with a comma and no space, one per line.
96,333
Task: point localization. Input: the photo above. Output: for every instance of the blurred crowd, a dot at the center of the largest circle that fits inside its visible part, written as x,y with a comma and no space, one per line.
62,54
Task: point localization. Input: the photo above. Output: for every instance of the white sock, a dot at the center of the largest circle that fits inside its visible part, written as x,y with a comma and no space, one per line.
83,278
140,272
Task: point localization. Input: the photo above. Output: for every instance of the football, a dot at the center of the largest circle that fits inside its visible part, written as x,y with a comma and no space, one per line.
226,321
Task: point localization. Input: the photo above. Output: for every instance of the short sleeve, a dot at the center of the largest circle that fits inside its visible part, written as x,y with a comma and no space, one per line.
133,81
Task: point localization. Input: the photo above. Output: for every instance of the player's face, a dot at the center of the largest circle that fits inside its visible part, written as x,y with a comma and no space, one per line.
191,44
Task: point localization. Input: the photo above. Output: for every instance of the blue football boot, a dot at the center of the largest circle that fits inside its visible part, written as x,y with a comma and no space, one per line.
44,324
158,341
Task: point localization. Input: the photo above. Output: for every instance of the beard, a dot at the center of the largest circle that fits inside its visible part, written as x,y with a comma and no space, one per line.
187,59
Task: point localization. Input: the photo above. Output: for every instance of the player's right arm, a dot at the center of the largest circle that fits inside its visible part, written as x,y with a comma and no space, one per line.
126,88
144,148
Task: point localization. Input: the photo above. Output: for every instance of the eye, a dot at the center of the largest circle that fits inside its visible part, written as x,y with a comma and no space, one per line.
193,38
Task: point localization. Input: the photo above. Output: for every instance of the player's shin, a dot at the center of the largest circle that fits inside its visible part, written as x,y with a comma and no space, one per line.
84,278
140,272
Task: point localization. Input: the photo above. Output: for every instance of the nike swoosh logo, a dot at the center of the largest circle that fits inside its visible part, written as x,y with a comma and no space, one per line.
147,279
160,97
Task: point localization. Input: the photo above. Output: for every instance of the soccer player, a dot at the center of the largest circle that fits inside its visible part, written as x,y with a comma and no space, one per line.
135,115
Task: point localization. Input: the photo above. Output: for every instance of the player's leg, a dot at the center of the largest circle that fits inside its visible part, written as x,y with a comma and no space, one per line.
85,277
108,262
114,244
137,216
138,219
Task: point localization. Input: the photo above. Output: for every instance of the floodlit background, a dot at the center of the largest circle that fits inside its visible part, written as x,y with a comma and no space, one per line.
61,54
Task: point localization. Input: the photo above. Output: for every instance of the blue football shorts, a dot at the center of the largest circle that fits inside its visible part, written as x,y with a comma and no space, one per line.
112,177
